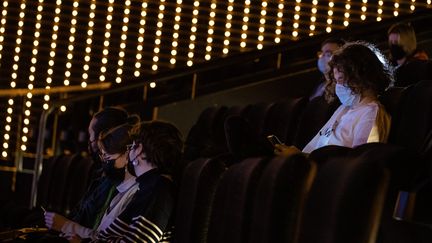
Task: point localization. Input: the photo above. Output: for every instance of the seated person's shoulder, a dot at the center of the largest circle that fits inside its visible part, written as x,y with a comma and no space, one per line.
369,110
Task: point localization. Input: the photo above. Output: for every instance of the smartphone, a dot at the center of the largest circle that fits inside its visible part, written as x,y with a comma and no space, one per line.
274,140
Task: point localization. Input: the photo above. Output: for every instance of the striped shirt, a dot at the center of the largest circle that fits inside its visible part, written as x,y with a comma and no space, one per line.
147,218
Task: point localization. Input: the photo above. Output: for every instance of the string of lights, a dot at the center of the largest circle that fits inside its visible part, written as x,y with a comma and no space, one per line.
14,77
175,35
330,16
193,31
347,13
244,32
70,55
228,25
6,136
210,30
69,51
280,14
364,9
380,10
106,42
31,76
312,25
261,29
123,39
157,40
141,33
89,42
296,21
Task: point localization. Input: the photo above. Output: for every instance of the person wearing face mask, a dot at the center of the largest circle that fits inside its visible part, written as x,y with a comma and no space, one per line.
328,46
412,65
157,147
358,74
91,207
113,147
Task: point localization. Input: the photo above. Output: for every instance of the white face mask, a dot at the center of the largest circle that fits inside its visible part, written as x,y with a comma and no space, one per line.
346,96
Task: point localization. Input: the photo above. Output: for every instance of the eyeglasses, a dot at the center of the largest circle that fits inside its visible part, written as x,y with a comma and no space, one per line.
90,142
326,54
105,157
132,146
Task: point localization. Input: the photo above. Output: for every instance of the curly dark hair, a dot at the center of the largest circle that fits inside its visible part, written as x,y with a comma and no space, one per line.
365,69
162,144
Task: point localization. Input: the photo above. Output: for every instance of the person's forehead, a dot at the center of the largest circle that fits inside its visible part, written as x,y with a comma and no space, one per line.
330,47
90,127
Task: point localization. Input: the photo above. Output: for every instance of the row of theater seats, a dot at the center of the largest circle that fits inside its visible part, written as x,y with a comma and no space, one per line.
337,194
296,120
63,182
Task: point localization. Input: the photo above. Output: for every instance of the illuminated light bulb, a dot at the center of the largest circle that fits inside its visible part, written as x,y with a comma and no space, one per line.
63,108
23,147
4,154
6,136
45,106
5,145
152,85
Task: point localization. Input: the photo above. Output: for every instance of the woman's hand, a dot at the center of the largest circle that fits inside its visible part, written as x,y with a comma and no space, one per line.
54,221
286,151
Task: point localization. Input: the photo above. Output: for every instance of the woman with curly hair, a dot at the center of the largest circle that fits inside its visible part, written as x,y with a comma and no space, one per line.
358,74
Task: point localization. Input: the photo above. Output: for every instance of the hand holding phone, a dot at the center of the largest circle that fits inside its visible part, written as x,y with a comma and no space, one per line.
274,140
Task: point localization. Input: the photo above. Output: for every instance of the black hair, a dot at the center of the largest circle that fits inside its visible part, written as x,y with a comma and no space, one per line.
333,40
115,140
162,144
108,118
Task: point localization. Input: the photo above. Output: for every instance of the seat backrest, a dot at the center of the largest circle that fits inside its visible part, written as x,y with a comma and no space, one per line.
195,198
345,202
44,183
216,142
199,134
317,112
283,117
255,114
58,183
231,211
279,199
77,181
413,121
391,99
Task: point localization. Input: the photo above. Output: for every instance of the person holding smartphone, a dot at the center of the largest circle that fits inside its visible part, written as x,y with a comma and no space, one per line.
358,74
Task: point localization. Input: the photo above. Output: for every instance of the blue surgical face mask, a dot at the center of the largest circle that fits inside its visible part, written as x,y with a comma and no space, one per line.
346,96
322,64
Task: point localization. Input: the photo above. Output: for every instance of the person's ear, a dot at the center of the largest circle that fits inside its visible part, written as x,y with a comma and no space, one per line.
139,149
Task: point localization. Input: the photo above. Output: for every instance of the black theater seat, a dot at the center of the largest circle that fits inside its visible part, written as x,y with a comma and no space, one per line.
279,199
231,211
196,195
